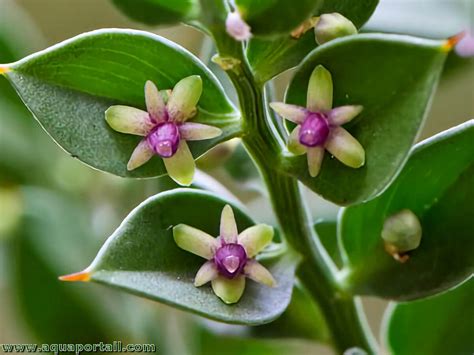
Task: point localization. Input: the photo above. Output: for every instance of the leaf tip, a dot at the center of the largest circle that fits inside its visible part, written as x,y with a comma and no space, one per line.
82,276
451,42
4,69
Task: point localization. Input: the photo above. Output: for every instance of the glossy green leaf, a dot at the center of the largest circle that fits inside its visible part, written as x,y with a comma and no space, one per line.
437,185
158,12
141,257
439,325
270,57
68,88
394,108
273,17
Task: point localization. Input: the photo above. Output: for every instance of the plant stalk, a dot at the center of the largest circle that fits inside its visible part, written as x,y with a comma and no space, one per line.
317,272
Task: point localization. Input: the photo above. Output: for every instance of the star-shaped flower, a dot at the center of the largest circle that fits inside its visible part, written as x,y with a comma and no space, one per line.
319,125
164,127
231,256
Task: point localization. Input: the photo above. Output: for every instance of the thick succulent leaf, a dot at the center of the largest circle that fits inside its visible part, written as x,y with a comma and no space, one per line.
439,325
394,108
269,57
273,17
68,88
141,257
437,185
158,12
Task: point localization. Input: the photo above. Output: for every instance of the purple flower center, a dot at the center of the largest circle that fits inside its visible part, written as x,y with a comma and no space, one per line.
314,130
230,259
164,139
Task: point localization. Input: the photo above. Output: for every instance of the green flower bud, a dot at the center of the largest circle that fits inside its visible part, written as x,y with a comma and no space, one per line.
332,26
401,232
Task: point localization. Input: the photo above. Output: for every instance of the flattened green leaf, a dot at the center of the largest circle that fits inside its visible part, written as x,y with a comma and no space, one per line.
141,257
394,107
158,12
69,87
437,185
439,325
272,17
270,57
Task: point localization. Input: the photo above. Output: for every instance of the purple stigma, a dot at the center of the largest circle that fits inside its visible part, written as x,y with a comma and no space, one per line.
314,130
164,139
230,259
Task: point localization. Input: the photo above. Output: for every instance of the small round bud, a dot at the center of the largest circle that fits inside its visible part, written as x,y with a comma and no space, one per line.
164,139
332,26
402,232
230,260
314,130
237,28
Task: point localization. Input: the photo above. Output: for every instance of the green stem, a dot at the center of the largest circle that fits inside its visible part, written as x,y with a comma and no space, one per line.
317,272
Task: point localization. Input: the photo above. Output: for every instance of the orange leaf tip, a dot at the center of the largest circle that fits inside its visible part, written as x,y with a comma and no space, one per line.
83,276
451,42
4,69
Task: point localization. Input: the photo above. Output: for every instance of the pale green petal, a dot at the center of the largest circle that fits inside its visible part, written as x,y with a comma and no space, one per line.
343,114
292,113
315,159
255,238
184,98
206,273
126,119
345,148
195,241
229,290
294,145
228,228
180,166
192,131
319,90
154,102
140,155
258,273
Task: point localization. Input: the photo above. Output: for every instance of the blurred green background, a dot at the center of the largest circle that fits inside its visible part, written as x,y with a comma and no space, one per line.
55,213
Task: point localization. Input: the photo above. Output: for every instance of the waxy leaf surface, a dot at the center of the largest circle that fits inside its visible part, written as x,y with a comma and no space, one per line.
273,17
393,77
437,185
269,57
68,88
141,257
443,322
158,12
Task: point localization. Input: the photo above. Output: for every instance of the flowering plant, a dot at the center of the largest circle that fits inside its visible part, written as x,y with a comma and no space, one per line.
346,130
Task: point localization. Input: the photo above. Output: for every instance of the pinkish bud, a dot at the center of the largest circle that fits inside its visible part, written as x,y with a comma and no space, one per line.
164,139
236,27
314,130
